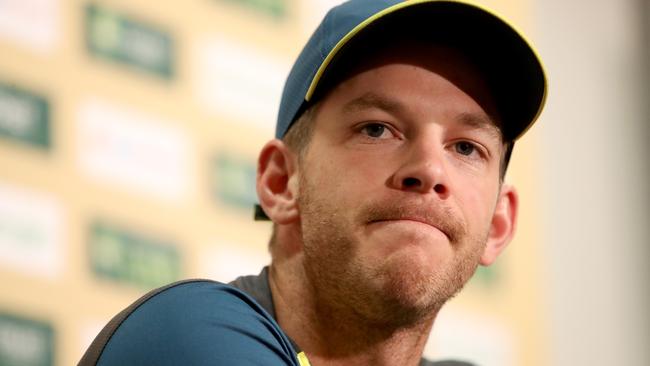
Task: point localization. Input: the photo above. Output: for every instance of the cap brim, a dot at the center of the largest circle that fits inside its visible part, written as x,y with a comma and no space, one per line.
513,71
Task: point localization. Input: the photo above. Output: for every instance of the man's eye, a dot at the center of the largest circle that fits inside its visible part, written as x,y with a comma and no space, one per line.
375,130
465,148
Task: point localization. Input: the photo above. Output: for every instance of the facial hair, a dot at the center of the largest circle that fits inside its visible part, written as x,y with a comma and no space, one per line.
393,293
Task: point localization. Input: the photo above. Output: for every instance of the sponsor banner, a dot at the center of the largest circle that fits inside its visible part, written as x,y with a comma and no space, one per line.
239,82
145,154
234,181
276,9
470,337
33,23
132,258
25,342
227,261
116,37
31,232
24,116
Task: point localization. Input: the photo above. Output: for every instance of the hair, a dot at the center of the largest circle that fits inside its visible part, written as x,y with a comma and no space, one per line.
299,135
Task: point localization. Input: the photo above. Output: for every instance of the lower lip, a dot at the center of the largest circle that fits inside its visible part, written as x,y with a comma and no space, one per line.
408,222
402,234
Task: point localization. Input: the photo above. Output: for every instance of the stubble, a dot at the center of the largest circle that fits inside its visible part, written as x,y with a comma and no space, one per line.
395,293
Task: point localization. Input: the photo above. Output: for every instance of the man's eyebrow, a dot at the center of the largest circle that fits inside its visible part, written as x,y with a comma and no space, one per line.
480,122
372,100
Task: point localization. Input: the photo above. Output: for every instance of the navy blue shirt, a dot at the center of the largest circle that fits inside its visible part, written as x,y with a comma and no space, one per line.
195,322
202,322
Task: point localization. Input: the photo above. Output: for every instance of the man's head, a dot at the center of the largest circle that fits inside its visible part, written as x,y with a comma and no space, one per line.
388,188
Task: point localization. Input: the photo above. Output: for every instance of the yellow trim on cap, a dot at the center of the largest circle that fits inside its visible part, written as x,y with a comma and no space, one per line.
533,50
405,3
349,36
522,35
302,359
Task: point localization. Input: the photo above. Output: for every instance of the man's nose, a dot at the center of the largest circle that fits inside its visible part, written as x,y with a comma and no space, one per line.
423,170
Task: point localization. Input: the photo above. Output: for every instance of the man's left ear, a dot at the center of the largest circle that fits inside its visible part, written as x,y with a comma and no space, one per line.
504,222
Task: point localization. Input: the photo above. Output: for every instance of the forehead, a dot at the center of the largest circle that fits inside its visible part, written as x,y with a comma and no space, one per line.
447,62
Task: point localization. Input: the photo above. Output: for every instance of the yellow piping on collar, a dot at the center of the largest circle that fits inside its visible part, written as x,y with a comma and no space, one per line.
302,359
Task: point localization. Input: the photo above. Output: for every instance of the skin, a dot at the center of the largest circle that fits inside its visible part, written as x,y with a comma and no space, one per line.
390,209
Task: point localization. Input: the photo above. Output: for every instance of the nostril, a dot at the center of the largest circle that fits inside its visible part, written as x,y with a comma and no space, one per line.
411,182
440,189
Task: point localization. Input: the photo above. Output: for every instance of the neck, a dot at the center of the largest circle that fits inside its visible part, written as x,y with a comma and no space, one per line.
331,334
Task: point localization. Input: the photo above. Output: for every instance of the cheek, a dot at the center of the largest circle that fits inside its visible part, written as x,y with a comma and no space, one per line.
369,169
329,182
354,174
478,203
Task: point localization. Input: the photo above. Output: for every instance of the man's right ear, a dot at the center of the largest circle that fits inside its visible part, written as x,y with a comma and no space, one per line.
276,182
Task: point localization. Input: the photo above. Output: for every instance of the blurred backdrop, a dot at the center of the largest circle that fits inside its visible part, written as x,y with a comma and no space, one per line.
129,132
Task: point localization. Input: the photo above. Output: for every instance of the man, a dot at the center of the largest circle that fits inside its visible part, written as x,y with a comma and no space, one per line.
385,187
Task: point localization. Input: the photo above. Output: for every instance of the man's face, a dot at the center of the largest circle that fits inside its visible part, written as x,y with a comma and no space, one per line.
399,183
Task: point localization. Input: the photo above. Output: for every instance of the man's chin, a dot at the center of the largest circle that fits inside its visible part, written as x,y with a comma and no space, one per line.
409,288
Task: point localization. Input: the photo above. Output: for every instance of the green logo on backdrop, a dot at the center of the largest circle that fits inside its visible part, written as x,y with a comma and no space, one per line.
25,342
24,116
234,181
115,37
131,258
275,8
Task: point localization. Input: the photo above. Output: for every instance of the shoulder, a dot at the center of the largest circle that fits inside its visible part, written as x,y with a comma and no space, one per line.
193,322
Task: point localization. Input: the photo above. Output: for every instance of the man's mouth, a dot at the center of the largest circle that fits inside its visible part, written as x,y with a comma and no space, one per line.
416,219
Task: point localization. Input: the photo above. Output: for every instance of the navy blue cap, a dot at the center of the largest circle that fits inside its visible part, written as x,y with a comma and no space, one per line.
512,68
